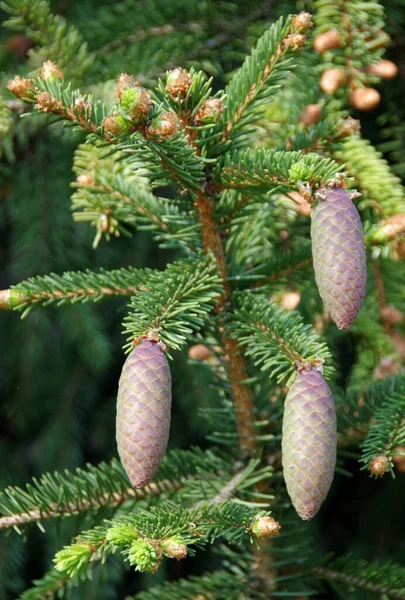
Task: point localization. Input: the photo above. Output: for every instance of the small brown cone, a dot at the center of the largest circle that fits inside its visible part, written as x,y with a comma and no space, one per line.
385,69
178,82
379,465
20,87
290,300
310,115
199,352
332,80
51,69
327,41
365,98
301,22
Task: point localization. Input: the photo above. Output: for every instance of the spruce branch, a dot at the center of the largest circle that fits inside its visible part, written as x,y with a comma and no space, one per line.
176,303
263,170
52,585
56,40
381,189
276,339
193,474
145,536
72,287
259,77
387,578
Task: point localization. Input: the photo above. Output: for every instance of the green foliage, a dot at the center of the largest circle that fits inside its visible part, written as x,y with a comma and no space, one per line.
177,302
275,338
56,40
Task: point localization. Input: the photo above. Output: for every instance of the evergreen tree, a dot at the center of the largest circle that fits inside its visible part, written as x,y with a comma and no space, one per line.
231,154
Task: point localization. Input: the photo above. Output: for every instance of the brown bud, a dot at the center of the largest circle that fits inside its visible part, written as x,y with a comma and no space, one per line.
385,69
51,69
19,44
111,126
290,300
83,105
295,41
20,87
399,459
85,179
379,465
391,315
310,115
365,98
399,342
178,82
347,126
174,548
209,111
104,223
399,250
301,22
47,103
303,207
327,41
199,352
266,527
164,127
332,80
124,82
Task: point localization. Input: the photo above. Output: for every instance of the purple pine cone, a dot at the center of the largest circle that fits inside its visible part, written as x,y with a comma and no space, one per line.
309,442
143,412
339,256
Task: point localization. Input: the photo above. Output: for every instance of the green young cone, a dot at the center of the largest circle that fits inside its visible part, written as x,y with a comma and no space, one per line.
143,412
309,442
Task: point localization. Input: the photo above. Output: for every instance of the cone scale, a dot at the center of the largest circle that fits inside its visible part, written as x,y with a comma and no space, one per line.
309,442
339,256
143,412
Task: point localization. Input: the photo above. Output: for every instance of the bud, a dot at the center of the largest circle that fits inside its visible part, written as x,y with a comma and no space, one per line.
332,80
310,115
85,179
391,315
178,82
164,127
266,527
364,98
327,41
199,352
399,459
347,126
51,69
399,250
301,22
11,298
384,69
83,105
136,102
125,82
295,41
174,548
209,111
122,535
290,300
104,223
47,103
303,206
143,556
21,87
379,465
116,125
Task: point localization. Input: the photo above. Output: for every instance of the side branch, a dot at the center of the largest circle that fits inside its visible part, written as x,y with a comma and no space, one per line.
359,582
242,395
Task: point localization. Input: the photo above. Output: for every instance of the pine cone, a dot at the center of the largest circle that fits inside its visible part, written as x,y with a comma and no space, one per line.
143,412
385,69
365,98
327,41
309,442
339,256
332,80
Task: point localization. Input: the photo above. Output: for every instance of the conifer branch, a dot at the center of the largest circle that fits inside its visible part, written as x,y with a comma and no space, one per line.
380,577
72,287
51,585
275,338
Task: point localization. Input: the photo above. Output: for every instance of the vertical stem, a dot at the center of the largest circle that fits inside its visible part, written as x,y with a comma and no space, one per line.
241,393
